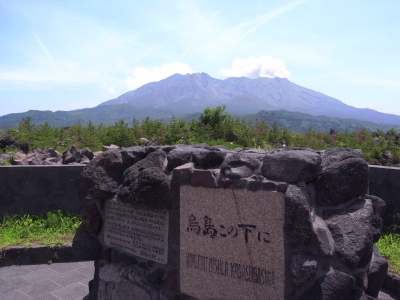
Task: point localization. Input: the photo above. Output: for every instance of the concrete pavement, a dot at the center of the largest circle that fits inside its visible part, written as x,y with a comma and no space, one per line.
57,281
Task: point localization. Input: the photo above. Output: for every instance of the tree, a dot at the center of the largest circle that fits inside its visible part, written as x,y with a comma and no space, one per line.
213,116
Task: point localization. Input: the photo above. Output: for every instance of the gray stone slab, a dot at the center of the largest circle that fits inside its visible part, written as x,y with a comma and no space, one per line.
72,292
14,295
71,277
48,297
40,275
37,267
232,244
65,267
13,271
12,284
87,270
41,288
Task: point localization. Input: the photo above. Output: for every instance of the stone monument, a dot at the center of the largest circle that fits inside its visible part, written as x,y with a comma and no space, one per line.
200,222
232,243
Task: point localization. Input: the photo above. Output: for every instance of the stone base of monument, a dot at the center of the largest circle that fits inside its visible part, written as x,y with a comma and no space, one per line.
199,222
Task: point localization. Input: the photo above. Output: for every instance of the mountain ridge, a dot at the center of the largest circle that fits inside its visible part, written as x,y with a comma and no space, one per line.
272,93
187,95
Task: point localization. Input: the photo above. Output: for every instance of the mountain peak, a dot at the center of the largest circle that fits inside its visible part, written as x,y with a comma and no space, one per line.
195,91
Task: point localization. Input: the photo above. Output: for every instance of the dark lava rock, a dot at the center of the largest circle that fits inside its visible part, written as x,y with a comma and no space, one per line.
152,187
351,231
303,267
334,155
357,294
392,283
154,159
239,165
206,159
145,181
379,207
87,152
333,286
376,273
101,177
325,242
85,246
91,219
132,155
291,165
179,156
343,177
71,155
298,214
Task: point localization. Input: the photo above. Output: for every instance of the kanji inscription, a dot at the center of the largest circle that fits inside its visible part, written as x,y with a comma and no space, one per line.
137,230
232,243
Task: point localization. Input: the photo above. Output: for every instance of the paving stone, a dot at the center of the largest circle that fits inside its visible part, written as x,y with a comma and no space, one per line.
48,297
41,288
89,263
36,267
15,295
64,267
71,277
72,292
12,284
13,271
87,270
40,275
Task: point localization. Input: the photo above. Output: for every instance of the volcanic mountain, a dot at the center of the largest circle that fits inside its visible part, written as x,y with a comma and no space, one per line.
193,92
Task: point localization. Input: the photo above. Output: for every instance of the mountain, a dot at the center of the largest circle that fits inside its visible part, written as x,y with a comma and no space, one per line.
185,96
193,92
107,115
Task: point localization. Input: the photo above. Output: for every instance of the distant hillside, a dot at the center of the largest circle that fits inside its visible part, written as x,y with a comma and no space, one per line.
300,122
193,92
107,115
185,96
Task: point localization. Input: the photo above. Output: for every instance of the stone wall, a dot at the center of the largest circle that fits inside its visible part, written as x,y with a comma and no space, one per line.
384,182
327,224
39,189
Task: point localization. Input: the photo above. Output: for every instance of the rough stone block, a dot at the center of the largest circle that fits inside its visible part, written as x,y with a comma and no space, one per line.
291,165
206,178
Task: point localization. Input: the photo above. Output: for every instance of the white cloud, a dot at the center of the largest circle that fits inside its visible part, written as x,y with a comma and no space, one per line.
142,75
254,67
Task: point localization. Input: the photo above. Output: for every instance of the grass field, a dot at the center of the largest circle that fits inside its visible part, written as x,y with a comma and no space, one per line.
389,247
55,228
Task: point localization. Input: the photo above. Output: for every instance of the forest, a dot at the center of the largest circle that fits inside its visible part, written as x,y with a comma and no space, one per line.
213,127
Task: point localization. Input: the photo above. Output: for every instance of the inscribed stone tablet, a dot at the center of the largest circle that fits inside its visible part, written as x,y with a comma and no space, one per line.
136,230
232,244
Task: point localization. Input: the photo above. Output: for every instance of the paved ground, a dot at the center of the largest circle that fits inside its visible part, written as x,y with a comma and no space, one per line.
65,281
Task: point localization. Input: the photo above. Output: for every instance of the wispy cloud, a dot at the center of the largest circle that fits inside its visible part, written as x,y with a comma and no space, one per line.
254,24
45,51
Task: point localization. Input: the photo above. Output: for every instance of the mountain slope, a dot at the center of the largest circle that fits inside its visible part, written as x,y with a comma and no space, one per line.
109,114
199,90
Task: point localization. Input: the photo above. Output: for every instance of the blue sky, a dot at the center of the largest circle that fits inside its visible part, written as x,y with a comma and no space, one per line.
64,55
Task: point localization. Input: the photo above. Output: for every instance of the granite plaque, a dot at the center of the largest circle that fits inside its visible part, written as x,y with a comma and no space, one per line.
137,230
232,244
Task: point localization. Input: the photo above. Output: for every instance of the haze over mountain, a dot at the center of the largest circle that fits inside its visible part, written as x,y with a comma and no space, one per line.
193,92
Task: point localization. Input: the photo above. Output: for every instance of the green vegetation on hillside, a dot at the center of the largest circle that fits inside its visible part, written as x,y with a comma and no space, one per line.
214,127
